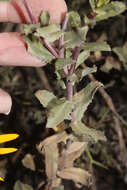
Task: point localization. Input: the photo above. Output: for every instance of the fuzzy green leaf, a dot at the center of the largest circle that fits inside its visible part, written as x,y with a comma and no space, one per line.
45,97
59,112
45,18
36,48
82,31
101,3
61,63
72,39
121,52
83,98
82,57
51,33
84,72
96,46
74,19
87,134
110,10
30,28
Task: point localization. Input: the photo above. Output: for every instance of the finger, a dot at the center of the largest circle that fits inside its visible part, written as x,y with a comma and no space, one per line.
15,10
13,52
5,102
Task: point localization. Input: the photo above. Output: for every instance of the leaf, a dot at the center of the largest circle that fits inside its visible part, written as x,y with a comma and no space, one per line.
7,150
83,98
87,134
69,155
59,112
58,188
50,33
82,31
30,28
110,10
36,48
82,57
121,52
76,174
96,46
28,162
45,18
101,3
74,19
20,186
61,63
45,97
51,160
72,39
8,137
110,64
84,72
57,138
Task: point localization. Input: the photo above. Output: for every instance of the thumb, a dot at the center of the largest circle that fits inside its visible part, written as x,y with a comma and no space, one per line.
5,102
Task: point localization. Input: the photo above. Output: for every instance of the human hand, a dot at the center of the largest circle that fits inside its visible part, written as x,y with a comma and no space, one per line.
13,50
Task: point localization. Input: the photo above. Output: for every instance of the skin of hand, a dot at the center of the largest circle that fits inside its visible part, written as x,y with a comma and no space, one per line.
13,50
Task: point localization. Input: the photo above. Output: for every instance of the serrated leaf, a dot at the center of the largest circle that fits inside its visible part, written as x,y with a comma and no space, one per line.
45,18
36,48
7,150
50,33
74,19
61,63
76,174
84,72
72,40
82,57
59,112
8,137
20,186
83,98
45,97
30,28
96,46
110,10
87,134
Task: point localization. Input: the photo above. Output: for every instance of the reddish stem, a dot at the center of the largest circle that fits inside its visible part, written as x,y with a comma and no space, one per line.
50,48
30,13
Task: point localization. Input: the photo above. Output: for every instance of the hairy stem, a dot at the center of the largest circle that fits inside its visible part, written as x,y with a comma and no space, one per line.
50,48
75,57
69,91
30,13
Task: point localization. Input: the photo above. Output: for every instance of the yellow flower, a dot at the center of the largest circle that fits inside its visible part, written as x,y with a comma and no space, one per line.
6,138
